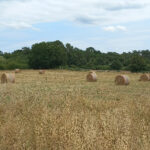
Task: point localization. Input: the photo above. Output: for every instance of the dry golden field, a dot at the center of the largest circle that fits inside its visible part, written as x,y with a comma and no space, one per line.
60,110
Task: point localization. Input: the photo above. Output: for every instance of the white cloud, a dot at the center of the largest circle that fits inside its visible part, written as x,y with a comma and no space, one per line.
115,28
122,28
16,25
110,28
25,13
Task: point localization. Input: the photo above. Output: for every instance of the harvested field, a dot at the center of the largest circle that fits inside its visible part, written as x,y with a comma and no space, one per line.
60,110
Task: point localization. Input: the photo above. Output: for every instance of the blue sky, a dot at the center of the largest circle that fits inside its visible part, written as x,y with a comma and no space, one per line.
114,25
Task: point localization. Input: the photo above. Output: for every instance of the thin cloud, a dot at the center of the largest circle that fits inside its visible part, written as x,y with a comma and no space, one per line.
126,5
115,28
17,26
84,20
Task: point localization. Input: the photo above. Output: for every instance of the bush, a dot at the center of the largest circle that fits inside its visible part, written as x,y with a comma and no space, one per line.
72,67
13,65
102,67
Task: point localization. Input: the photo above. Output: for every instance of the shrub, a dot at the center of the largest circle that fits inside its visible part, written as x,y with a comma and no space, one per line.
13,65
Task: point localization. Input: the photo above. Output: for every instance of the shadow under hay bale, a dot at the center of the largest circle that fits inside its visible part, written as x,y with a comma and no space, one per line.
91,77
122,80
17,70
41,71
144,77
8,78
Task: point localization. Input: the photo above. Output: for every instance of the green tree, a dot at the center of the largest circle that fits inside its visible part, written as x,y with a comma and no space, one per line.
48,55
116,65
2,63
137,64
1,53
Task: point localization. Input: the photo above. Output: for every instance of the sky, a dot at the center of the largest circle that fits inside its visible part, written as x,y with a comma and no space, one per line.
107,25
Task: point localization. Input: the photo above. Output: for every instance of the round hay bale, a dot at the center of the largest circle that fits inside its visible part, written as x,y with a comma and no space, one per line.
91,76
144,77
41,71
122,80
8,78
17,70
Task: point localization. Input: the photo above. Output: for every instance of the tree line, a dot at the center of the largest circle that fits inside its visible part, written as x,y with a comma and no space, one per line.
50,55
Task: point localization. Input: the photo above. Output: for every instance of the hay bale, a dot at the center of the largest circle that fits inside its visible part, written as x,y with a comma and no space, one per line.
8,78
41,71
17,70
144,77
91,76
122,80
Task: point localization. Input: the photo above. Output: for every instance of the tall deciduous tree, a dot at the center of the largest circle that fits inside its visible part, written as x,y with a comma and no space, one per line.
137,64
48,55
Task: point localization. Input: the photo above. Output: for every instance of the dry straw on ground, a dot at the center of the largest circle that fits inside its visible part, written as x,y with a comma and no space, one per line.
68,113
17,70
8,77
41,71
91,77
122,80
144,77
